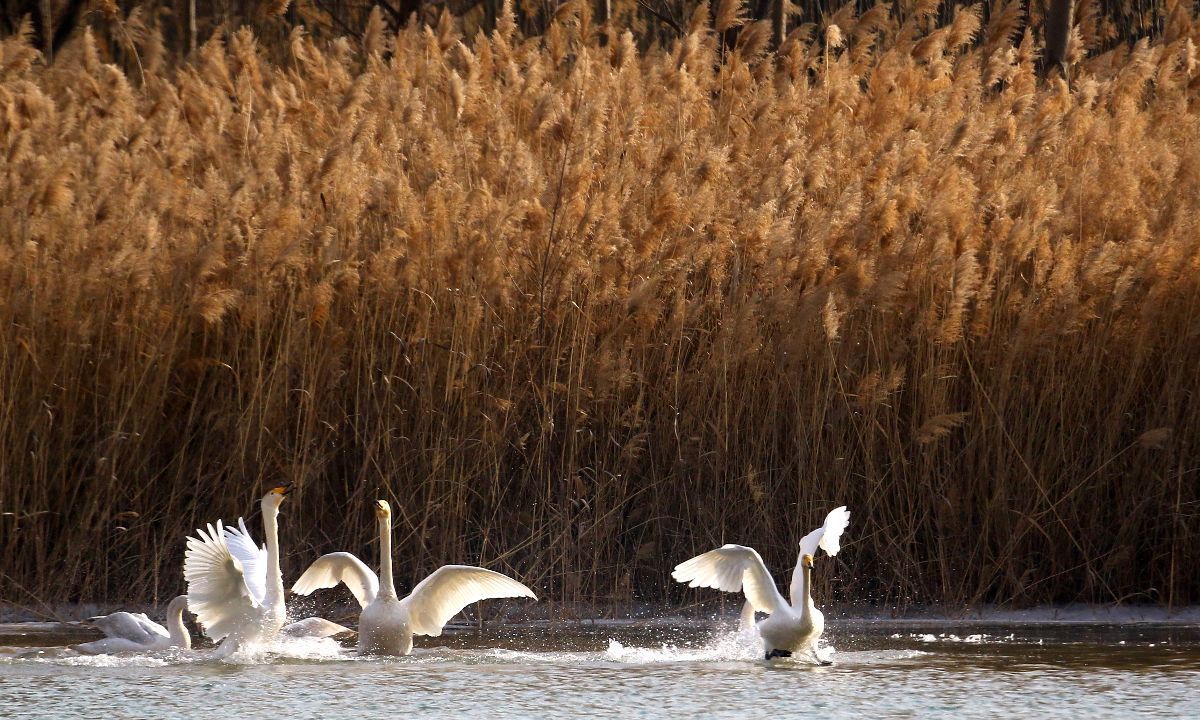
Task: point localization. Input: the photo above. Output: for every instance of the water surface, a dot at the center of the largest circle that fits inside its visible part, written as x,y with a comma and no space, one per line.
679,670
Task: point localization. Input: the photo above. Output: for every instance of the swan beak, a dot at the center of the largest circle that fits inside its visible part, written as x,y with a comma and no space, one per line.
807,561
281,490
382,509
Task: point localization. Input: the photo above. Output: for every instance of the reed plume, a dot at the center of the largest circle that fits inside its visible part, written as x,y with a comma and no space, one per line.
580,310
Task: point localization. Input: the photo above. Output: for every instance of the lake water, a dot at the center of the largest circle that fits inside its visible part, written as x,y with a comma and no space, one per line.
627,671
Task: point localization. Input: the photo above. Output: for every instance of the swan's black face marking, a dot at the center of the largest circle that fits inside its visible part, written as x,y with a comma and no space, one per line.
779,653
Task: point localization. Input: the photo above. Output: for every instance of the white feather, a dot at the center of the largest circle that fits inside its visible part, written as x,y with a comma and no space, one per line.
152,628
339,567
827,538
451,588
313,627
123,625
217,590
252,557
733,568
127,631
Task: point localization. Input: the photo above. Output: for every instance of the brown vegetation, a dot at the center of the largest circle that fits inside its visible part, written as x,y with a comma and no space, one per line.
583,311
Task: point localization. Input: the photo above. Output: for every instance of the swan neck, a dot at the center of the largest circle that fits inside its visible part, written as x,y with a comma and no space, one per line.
387,586
805,587
274,587
180,637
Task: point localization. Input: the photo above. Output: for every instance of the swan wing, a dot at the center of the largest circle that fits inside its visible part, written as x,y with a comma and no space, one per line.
733,568
252,557
123,625
313,627
827,537
451,588
150,627
746,619
217,591
339,567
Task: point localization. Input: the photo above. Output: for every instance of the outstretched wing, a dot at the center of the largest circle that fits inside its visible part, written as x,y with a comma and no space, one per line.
313,627
339,567
252,557
827,537
733,568
217,591
451,588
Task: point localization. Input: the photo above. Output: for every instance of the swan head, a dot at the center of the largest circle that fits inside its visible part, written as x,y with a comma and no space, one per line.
807,561
383,510
274,499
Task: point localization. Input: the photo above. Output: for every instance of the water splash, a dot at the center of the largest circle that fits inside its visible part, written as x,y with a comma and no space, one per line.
293,649
974,639
737,645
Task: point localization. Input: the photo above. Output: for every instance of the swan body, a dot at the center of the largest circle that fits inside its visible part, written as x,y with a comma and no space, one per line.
235,587
313,627
126,632
387,623
790,628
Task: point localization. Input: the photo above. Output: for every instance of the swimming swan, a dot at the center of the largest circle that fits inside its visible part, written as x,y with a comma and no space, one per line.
793,628
235,587
387,624
126,631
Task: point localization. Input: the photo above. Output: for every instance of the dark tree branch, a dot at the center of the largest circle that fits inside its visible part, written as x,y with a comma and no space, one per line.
663,18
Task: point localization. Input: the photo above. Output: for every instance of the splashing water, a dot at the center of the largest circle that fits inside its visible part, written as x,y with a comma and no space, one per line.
608,671
725,646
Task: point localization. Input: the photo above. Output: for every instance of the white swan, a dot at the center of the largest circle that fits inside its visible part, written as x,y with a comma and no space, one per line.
791,628
134,631
387,624
235,587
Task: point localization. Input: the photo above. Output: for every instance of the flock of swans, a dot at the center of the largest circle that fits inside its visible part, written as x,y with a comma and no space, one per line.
235,589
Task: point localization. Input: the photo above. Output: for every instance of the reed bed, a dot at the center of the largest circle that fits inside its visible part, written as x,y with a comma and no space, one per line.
583,310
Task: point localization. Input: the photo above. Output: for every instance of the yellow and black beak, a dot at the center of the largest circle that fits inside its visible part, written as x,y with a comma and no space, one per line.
282,489
382,508
807,561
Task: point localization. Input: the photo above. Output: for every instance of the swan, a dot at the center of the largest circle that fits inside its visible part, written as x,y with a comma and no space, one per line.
235,587
134,631
387,624
791,628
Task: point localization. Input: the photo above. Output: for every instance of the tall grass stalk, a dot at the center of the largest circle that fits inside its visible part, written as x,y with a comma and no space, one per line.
581,311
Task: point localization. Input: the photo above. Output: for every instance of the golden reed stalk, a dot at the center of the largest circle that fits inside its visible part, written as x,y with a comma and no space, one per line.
582,311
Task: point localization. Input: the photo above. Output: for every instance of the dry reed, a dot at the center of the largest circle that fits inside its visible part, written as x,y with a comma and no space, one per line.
582,311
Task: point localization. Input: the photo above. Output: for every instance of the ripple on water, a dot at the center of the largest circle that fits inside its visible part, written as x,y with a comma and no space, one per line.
615,673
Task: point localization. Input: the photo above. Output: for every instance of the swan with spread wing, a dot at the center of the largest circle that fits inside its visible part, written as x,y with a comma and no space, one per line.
793,627
235,587
387,623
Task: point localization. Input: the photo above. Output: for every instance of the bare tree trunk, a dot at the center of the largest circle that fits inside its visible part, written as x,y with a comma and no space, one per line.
1059,18
778,22
47,30
605,16
191,27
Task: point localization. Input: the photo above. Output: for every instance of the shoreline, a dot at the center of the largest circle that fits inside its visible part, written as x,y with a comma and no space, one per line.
59,633
73,614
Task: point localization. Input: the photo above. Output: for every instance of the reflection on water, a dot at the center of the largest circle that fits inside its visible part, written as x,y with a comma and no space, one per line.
620,671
